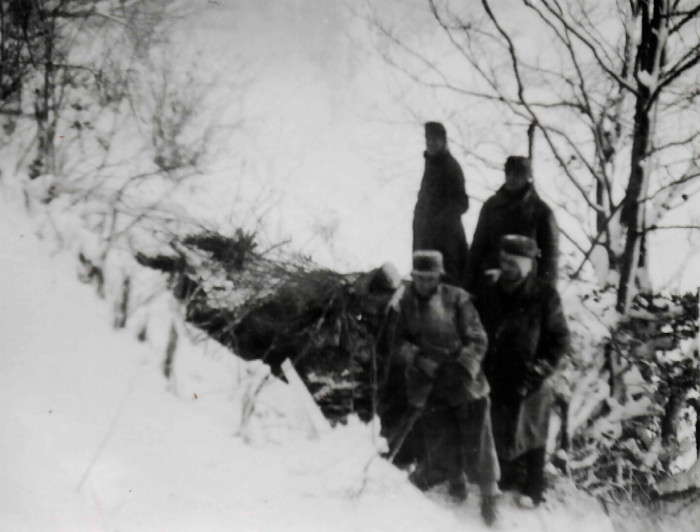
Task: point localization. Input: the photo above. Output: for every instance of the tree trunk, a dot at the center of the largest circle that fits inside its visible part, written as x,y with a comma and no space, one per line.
696,406
649,59
697,429
631,211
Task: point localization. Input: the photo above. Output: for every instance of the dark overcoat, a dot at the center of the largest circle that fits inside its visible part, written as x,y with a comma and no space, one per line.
437,218
445,329
528,335
521,213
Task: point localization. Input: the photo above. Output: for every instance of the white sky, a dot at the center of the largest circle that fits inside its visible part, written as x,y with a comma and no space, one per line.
325,147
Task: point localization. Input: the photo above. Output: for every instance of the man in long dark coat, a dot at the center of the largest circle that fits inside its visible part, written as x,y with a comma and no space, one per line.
441,343
514,209
528,334
442,200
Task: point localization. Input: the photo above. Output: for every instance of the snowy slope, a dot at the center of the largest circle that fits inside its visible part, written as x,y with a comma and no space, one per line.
92,437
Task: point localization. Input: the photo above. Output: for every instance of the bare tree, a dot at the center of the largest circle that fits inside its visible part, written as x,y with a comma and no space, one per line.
609,86
111,128
60,55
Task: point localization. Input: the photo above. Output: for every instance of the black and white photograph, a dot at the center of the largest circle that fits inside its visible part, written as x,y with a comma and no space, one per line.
349,265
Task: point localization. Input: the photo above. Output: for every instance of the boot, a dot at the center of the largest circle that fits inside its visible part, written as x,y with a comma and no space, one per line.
425,476
534,479
457,489
512,474
489,508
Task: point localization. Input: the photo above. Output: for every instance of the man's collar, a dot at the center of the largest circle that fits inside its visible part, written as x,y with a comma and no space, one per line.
422,297
436,157
524,288
503,195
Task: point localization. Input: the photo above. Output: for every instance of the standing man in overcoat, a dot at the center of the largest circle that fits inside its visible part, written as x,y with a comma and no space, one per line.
528,335
442,200
515,208
441,343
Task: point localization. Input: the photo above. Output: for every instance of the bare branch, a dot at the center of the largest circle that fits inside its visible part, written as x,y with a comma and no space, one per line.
595,35
676,143
596,240
588,109
608,70
689,15
673,186
511,50
688,62
535,119
662,227
571,239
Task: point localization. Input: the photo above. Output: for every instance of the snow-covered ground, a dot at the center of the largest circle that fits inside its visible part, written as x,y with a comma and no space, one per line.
93,437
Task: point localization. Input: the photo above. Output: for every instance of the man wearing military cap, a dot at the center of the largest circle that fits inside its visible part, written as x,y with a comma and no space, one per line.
441,343
528,335
442,200
515,208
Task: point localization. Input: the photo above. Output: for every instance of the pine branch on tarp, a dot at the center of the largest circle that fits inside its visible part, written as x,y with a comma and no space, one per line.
272,308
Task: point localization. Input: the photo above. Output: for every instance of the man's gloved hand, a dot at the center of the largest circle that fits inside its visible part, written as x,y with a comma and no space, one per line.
492,275
437,353
529,384
408,353
523,390
427,366
535,374
468,362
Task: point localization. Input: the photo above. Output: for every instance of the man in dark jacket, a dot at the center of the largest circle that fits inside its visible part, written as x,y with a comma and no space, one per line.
442,200
527,334
441,343
514,209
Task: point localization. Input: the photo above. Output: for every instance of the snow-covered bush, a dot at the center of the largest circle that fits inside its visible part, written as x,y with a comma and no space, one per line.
630,383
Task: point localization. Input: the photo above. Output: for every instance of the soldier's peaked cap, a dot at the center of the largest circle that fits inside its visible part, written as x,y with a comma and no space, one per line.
435,129
519,245
427,262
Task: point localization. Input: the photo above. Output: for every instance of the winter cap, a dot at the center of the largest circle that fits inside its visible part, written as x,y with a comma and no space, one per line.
519,166
386,278
427,262
435,129
519,245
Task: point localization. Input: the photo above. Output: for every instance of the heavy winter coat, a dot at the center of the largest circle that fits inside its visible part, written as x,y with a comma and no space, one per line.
437,218
522,213
528,335
443,331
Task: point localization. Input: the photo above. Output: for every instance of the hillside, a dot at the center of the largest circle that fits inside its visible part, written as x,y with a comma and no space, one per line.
93,437
307,147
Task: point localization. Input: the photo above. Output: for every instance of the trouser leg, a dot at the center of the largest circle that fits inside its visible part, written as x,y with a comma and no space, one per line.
445,460
436,426
478,446
534,476
510,477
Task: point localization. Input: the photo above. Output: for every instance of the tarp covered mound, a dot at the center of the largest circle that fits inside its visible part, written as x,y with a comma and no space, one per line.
328,324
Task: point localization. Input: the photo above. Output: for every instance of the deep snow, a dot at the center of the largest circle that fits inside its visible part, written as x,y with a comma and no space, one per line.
94,438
